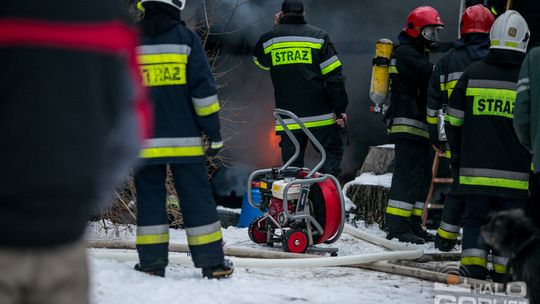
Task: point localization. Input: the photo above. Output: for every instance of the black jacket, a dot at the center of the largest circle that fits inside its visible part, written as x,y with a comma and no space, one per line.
305,71
175,68
67,123
410,70
448,70
479,126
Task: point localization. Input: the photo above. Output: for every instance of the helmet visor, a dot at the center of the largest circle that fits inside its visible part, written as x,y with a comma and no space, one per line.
431,33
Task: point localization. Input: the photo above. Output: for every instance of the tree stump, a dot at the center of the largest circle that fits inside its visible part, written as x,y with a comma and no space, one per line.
370,198
379,160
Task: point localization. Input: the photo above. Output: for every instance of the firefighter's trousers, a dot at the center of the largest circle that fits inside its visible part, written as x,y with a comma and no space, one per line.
475,251
200,217
452,216
410,185
330,139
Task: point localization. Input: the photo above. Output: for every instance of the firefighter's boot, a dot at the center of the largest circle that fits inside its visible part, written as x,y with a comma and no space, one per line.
220,271
419,231
443,244
158,272
400,228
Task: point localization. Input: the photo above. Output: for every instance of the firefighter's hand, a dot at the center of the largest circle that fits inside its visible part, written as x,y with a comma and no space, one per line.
439,146
277,18
341,119
213,148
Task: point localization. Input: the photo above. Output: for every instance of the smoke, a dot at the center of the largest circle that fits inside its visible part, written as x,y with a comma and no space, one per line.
353,25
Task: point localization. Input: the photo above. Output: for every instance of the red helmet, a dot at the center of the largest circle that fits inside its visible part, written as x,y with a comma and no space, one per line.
476,19
421,17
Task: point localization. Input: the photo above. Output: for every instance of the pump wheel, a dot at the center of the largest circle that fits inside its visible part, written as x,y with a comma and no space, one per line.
295,241
257,230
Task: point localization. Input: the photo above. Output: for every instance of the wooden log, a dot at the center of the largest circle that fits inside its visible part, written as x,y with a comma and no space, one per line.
379,160
370,202
429,275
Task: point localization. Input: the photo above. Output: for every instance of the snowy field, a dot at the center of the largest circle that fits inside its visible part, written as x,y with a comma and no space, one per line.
116,282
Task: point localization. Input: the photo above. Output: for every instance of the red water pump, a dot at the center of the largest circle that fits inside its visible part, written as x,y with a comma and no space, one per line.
301,207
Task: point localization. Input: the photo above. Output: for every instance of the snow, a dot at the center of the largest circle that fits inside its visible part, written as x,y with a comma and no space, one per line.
116,282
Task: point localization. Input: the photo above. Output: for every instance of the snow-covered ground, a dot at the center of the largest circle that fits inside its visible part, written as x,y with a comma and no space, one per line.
116,282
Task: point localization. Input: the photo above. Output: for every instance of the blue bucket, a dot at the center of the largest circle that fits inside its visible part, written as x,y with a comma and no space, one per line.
248,212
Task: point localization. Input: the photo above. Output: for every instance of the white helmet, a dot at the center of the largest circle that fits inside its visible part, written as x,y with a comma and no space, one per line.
510,32
179,4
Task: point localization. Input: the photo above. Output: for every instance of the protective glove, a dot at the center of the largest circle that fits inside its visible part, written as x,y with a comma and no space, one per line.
213,148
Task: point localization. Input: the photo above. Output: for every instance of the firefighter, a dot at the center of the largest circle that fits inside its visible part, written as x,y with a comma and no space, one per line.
410,70
307,77
476,22
175,68
493,166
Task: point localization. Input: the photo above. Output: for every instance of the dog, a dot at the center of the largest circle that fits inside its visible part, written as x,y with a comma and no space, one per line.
512,234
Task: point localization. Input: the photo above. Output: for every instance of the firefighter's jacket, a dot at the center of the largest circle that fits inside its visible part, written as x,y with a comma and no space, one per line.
527,111
410,70
174,66
306,72
448,70
479,125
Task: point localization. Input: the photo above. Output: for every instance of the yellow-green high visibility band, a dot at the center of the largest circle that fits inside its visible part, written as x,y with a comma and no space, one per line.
494,182
447,235
208,110
172,152
431,120
417,212
204,239
499,268
410,130
260,65
331,67
393,70
398,211
151,239
474,261
162,58
310,124
454,121
298,44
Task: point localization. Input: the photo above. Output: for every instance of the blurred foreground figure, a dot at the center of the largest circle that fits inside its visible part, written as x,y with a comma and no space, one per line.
69,133
527,124
175,68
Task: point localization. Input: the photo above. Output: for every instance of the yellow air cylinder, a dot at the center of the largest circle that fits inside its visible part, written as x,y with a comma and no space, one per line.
380,73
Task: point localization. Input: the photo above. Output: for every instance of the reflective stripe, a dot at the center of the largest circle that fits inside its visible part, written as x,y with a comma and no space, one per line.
523,85
506,43
309,122
419,205
399,208
492,84
260,65
204,102
206,106
393,70
494,178
456,113
410,130
449,227
454,76
330,65
162,58
398,212
432,113
155,229
455,117
164,48
417,212
400,204
431,120
216,145
292,41
410,122
173,142
172,147
524,81
474,257
447,235
499,264
501,269
203,235
149,235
